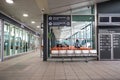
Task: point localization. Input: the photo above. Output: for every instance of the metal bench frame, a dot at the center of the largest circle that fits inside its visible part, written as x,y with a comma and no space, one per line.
73,54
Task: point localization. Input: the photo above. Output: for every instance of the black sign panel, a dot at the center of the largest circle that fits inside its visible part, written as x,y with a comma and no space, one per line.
105,46
116,46
109,29
59,20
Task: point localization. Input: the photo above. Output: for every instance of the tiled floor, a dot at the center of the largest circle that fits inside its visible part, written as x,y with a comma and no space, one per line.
31,67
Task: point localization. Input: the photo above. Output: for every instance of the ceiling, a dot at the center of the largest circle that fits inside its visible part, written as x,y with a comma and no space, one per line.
35,9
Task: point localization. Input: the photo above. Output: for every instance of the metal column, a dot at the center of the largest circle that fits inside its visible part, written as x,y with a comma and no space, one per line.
45,37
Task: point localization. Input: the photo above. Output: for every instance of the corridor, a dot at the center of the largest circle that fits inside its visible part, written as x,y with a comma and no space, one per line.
31,67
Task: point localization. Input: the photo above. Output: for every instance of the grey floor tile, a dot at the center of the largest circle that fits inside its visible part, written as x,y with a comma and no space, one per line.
31,67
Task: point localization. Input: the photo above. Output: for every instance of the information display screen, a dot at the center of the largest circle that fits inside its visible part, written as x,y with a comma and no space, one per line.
105,46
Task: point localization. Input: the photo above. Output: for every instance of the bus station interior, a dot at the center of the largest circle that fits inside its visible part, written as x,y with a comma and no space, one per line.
59,39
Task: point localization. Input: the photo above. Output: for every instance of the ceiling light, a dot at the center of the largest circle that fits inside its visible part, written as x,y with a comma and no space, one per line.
33,22
38,26
25,15
9,1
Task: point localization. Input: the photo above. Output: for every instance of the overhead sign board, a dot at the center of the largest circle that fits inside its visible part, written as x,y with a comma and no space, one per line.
59,20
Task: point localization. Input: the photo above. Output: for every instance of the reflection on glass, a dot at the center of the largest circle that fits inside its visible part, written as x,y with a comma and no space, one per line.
21,37
6,40
29,42
17,40
81,30
24,41
0,36
12,39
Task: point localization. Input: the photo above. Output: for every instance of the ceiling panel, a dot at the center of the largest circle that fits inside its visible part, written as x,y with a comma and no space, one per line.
34,9
62,3
58,6
17,9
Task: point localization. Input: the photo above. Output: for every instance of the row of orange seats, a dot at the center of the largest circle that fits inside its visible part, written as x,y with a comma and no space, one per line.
70,48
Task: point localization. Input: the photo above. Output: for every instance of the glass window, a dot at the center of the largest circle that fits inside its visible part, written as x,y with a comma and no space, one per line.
6,39
115,19
0,36
33,42
17,43
17,40
81,30
27,41
21,37
24,41
29,37
12,40
104,19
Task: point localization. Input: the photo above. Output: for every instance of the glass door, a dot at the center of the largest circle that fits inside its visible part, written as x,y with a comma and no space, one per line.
12,40
0,37
21,37
29,42
17,41
24,41
6,39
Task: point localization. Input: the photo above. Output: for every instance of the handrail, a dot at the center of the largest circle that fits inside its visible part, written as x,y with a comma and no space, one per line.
78,31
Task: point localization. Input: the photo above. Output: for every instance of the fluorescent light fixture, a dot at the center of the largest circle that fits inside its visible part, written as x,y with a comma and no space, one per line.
25,15
38,26
9,1
33,22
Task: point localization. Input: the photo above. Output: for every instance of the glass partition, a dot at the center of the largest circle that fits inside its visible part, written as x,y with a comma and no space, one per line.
12,39
6,39
29,35
0,37
27,41
17,40
32,42
80,35
82,29
21,37
24,41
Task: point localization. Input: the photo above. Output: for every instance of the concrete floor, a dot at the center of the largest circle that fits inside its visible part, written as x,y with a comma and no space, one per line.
31,67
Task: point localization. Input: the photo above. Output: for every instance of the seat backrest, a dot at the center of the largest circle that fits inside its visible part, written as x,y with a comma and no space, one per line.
70,51
54,51
77,51
62,51
85,51
93,51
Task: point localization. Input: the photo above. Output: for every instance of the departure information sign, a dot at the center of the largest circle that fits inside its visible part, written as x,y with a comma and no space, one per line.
59,20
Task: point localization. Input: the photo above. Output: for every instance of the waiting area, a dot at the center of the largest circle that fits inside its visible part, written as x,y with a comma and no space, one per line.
31,67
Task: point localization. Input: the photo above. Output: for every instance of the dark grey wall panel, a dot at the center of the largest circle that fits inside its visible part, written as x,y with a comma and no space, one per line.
112,6
112,46
45,37
105,46
116,46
